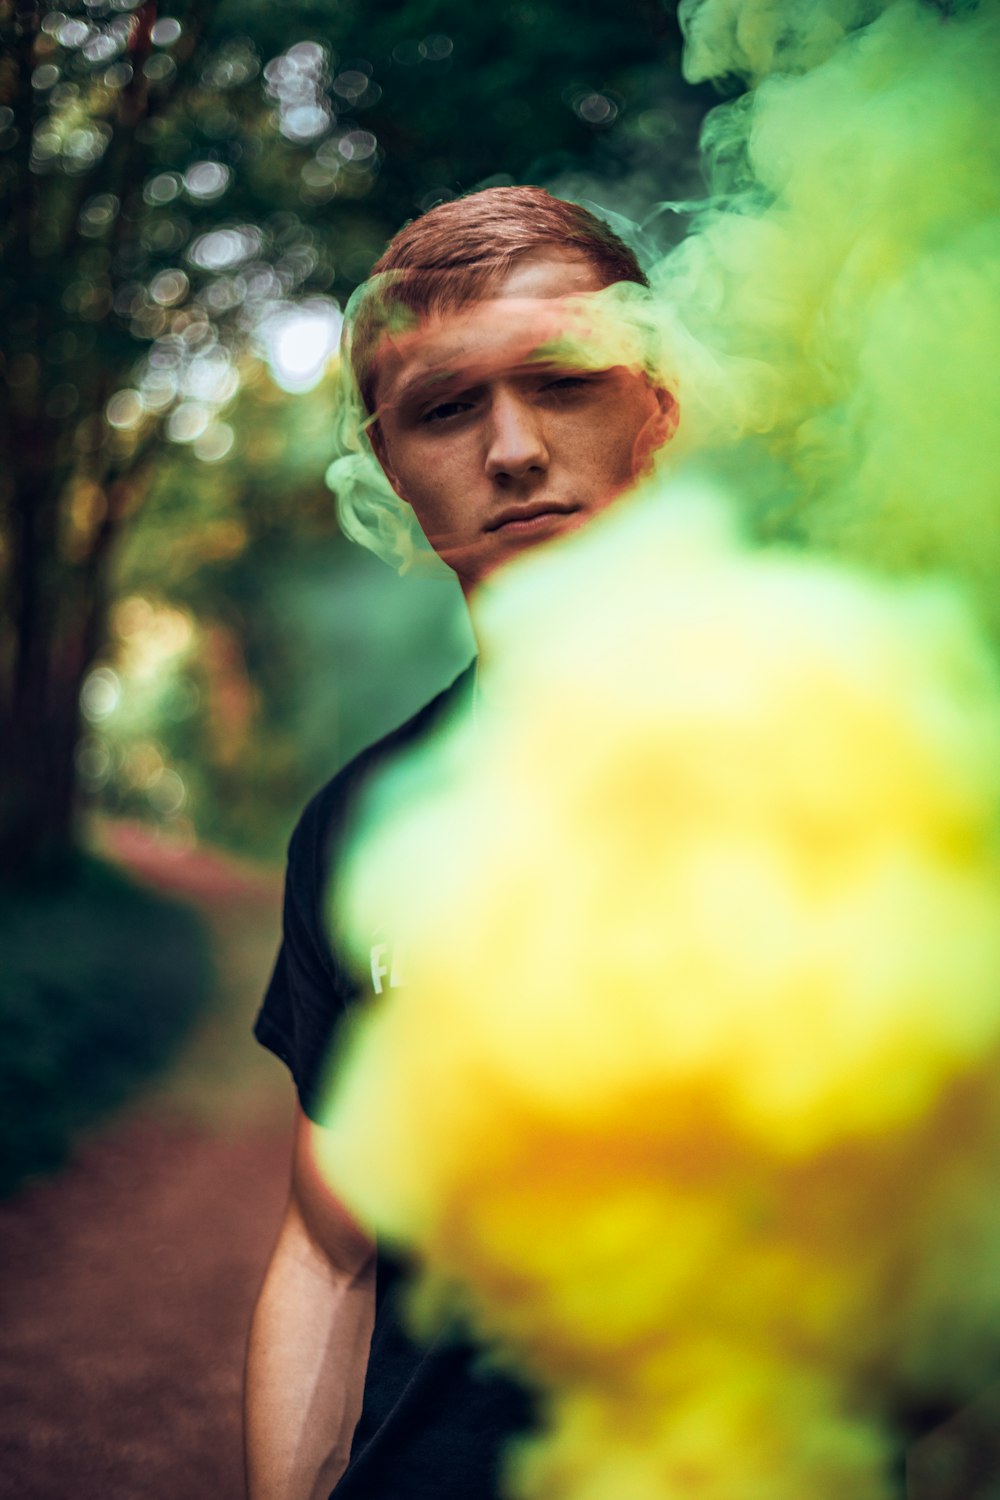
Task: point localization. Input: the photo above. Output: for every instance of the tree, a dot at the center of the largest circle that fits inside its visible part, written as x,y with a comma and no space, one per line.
172,181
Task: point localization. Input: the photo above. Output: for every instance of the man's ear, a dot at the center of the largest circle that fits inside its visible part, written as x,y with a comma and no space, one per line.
658,428
380,448
670,415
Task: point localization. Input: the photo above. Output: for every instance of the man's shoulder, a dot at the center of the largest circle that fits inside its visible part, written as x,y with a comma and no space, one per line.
326,809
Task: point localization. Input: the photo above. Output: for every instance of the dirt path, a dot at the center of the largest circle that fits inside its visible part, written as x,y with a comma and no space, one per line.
127,1280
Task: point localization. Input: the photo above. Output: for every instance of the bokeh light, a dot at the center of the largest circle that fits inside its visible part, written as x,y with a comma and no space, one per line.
100,694
207,180
125,409
299,340
296,81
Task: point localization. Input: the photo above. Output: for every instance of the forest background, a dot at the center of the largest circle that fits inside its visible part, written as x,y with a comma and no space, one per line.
189,193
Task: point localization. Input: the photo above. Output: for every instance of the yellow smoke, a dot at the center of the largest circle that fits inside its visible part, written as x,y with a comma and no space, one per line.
690,1100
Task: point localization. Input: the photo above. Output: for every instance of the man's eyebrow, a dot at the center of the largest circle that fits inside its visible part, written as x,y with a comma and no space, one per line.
427,383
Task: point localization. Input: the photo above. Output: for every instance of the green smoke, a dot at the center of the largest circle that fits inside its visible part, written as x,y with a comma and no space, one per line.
840,294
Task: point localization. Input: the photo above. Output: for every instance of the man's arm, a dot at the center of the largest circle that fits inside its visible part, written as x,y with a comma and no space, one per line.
309,1341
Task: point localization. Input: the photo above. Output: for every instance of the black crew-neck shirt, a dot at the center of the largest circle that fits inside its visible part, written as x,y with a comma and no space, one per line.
435,1418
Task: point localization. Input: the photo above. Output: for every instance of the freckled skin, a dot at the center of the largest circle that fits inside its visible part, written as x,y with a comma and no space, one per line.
494,450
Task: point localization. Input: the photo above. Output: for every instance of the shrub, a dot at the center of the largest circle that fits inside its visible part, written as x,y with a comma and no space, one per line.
100,980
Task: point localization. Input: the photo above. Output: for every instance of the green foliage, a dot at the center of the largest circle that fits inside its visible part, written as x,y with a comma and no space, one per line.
174,179
99,982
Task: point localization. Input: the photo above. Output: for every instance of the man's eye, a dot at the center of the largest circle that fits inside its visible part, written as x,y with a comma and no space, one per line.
567,384
446,409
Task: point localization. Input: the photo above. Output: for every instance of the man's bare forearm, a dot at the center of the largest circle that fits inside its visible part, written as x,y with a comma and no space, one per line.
306,1363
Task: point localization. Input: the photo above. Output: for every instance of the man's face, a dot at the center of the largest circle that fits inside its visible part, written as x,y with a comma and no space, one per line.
495,448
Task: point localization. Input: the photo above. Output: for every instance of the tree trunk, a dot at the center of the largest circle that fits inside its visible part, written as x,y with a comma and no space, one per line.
37,833
56,622
40,688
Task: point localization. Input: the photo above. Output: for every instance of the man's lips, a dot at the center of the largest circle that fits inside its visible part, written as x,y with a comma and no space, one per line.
524,517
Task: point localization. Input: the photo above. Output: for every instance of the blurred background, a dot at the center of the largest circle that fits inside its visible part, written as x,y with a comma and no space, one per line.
188,647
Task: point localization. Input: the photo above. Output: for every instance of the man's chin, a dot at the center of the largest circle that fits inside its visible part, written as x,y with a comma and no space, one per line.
474,564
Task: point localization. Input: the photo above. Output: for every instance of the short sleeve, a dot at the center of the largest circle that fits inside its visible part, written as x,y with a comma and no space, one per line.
310,991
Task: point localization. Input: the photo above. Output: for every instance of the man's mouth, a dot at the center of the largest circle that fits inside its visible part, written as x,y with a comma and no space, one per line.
529,517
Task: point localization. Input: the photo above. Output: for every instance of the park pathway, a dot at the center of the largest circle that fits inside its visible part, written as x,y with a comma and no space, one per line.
127,1279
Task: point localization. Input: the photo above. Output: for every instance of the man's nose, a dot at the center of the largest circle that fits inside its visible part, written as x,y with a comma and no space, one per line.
517,444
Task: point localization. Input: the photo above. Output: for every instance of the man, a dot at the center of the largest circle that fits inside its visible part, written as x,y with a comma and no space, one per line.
503,415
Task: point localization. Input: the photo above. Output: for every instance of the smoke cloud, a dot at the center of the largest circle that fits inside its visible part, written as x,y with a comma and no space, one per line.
841,289
689,1104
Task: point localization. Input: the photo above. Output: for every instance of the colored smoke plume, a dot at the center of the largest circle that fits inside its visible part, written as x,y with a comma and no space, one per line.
752,39
690,1100
838,300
